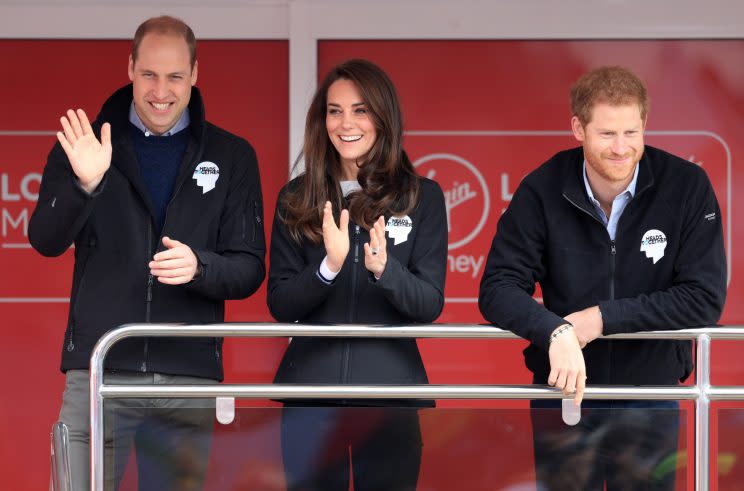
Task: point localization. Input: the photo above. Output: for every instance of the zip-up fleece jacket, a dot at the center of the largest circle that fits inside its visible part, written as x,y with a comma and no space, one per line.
410,290
113,230
666,268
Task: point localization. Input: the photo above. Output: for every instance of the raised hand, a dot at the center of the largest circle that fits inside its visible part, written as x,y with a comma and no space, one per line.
567,368
89,158
176,265
335,239
375,252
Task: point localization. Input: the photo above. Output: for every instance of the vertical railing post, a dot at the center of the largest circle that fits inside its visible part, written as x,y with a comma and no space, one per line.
96,422
702,415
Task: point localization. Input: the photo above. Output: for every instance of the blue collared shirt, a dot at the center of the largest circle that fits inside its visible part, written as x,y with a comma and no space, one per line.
182,123
618,204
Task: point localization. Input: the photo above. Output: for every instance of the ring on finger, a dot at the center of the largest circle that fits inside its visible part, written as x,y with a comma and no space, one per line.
373,250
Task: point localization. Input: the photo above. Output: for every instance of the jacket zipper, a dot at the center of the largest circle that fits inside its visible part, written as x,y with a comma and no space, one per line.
152,248
352,308
613,253
148,298
70,345
352,305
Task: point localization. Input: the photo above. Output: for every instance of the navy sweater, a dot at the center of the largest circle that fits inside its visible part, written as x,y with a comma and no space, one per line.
159,158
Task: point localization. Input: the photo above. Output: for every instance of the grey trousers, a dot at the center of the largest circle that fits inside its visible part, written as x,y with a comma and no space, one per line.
171,437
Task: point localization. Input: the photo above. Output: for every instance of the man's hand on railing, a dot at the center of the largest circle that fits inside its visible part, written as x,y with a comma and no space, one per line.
587,324
567,368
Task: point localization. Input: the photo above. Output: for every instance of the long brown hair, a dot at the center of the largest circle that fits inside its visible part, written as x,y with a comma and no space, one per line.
386,175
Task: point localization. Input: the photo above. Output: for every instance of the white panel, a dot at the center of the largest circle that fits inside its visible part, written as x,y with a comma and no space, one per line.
81,19
303,68
527,19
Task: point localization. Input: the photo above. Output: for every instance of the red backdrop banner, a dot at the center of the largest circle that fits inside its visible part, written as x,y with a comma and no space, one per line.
479,116
245,87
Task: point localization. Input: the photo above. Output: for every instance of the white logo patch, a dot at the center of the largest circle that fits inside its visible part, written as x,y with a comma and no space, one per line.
398,228
653,244
206,175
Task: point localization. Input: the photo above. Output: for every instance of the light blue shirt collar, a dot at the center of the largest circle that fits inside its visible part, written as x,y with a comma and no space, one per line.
618,204
182,123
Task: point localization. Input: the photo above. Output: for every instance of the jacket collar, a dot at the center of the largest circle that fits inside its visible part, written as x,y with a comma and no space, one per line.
116,112
574,189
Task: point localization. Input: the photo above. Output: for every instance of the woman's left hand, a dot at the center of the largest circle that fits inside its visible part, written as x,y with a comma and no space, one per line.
375,251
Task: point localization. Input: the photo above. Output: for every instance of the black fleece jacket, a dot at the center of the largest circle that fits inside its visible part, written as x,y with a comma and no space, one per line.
113,230
551,234
410,290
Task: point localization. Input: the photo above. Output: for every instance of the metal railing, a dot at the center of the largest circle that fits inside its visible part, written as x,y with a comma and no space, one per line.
60,458
702,393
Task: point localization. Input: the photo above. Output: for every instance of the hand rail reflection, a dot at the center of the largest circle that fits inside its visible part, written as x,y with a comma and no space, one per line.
702,393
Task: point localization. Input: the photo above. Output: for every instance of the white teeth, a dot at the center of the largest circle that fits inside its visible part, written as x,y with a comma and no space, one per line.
350,138
160,107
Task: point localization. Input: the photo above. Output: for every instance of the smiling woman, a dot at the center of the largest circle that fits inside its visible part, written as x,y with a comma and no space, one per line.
350,128
331,262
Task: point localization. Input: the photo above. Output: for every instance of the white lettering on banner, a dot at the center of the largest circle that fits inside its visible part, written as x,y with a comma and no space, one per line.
461,182
465,263
456,195
505,194
28,195
8,219
15,216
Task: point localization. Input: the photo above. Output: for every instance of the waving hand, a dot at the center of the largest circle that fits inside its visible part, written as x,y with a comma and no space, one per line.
89,158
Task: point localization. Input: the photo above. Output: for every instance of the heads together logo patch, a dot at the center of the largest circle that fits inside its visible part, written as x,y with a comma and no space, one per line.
466,194
653,244
206,175
398,228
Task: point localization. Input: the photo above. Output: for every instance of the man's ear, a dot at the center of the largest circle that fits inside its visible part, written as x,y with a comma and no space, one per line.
130,69
194,72
578,129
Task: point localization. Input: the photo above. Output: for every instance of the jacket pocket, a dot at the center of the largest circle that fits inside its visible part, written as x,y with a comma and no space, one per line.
84,252
252,219
255,215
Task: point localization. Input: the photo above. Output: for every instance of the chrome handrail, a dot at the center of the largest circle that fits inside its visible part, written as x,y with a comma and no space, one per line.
702,393
60,458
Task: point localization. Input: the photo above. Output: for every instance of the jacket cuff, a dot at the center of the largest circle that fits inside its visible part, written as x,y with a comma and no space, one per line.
98,190
547,325
388,274
612,317
202,267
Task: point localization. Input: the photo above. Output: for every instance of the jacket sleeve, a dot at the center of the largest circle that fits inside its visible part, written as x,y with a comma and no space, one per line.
294,288
236,268
515,263
63,206
698,292
416,290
